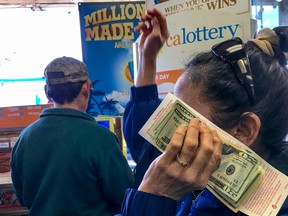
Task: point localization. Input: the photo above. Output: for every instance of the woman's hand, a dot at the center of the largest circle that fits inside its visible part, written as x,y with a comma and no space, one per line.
154,33
189,160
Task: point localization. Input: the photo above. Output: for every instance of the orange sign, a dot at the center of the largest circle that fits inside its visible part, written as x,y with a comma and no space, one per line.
170,76
20,116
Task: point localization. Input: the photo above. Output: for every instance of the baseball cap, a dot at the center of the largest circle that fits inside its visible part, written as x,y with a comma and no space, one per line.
65,70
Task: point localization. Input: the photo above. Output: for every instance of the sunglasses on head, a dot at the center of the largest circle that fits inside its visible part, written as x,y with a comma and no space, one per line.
233,51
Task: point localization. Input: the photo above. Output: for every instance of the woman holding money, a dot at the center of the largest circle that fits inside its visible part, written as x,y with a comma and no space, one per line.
240,87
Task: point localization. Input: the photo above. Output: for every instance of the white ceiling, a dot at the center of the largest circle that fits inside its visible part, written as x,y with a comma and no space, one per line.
29,3
9,2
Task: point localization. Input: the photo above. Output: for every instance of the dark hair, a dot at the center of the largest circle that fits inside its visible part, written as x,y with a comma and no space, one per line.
228,99
64,93
282,32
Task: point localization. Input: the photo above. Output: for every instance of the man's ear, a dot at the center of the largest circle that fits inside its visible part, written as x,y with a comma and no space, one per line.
86,89
48,93
247,129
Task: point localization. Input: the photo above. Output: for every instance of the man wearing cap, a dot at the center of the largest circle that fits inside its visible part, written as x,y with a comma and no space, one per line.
65,163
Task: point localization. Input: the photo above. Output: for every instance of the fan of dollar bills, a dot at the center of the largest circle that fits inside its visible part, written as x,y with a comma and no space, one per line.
239,172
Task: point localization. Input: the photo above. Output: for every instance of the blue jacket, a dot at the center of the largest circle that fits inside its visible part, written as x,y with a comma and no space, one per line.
143,102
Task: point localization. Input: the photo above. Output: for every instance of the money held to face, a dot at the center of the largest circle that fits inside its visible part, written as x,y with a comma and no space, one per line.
239,171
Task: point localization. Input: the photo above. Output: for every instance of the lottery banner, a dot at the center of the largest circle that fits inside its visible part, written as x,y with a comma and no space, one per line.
194,26
107,37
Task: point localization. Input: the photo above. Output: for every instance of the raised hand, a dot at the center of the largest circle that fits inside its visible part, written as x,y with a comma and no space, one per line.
154,33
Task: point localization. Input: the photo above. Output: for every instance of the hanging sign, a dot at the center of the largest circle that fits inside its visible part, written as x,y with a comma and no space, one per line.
195,26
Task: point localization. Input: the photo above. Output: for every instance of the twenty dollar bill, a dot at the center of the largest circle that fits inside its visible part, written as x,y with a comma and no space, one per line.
239,171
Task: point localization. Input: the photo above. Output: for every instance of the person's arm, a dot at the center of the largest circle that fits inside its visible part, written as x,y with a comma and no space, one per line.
143,102
144,96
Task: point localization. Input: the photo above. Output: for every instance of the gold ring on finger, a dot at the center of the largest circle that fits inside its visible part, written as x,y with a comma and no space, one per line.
182,163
